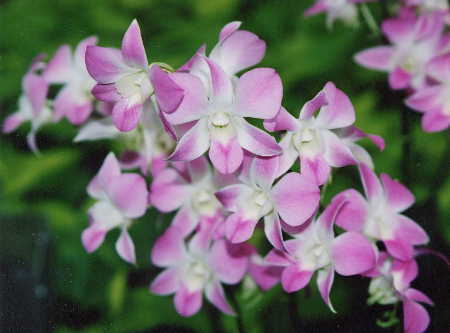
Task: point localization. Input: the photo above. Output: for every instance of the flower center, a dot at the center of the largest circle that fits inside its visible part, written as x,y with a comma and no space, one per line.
197,275
220,119
136,85
205,203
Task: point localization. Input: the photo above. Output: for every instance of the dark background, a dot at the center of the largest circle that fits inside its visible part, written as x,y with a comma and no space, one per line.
49,283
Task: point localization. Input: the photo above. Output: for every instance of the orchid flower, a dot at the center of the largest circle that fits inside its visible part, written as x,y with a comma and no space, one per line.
350,135
429,5
415,41
75,100
200,267
317,249
33,105
390,284
122,77
292,201
121,197
217,109
434,100
379,216
192,194
311,138
344,10
148,145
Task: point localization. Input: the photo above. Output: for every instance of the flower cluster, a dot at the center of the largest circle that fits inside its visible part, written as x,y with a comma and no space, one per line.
417,59
193,151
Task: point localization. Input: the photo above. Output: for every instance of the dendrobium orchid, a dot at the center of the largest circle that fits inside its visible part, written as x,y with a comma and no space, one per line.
200,267
218,107
415,41
434,99
317,249
292,201
74,100
390,284
33,105
379,216
122,77
121,197
344,10
311,138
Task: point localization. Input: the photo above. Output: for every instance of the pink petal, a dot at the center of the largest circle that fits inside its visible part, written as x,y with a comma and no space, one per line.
125,247
59,68
230,196
353,214
133,51
104,64
289,155
294,278
194,103
169,248
264,171
398,30
352,254
36,89
398,196
216,295
193,144
410,231
435,121
272,229
258,94
69,103
315,168
226,158
325,279
229,266
126,115
331,211
416,318
338,112
371,184
296,198
191,62
318,7
238,229
379,58
80,51
337,153
12,122
278,257
239,50
166,283
169,191
222,88
313,105
283,121
418,296
109,171
129,193
439,68
264,275
185,220
255,140
400,249
92,237
399,79
168,94
228,29
106,92
188,303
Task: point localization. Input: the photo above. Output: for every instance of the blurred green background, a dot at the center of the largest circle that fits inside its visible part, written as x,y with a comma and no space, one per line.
49,283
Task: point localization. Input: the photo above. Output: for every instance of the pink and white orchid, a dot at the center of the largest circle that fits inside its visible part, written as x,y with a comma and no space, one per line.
200,267
217,107
390,284
344,10
122,77
317,249
33,105
415,41
292,201
434,100
311,138
121,197
379,216
74,100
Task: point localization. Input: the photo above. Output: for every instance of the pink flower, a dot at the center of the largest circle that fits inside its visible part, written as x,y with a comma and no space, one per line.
33,104
344,10
293,199
379,216
121,198
434,100
122,76
415,41
217,105
317,249
311,138
191,192
390,284
200,267
75,100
